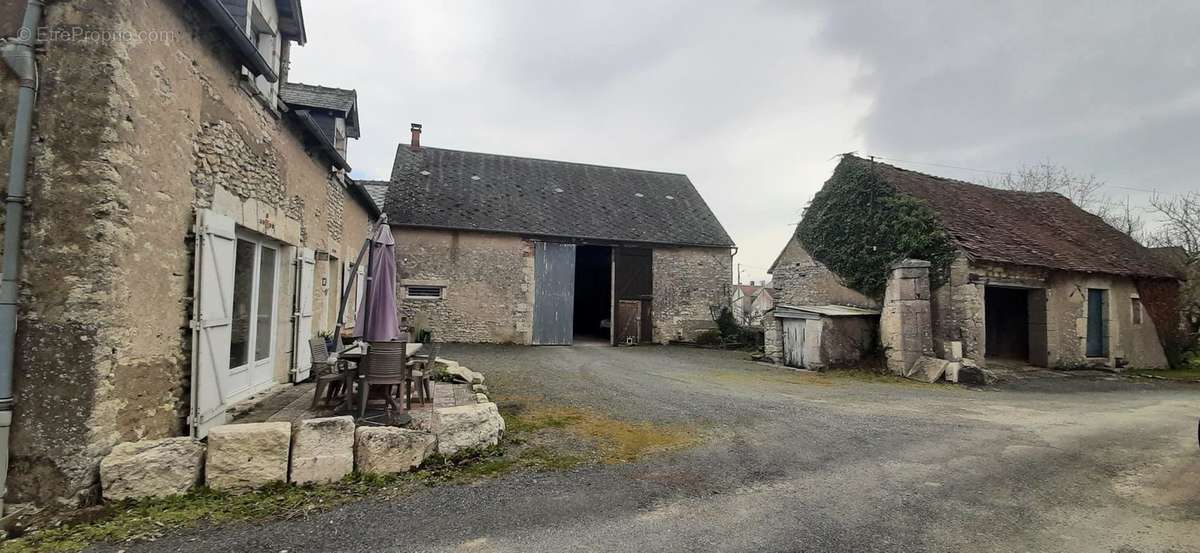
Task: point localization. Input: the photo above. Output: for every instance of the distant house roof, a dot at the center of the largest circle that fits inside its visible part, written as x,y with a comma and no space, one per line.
1039,229
377,189
439,188
751,290
343,102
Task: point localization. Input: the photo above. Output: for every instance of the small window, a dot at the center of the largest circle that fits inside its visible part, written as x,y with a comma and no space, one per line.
1136,306
424,292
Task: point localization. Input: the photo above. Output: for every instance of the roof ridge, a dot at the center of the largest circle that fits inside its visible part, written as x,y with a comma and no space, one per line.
958,181
323,87
402,145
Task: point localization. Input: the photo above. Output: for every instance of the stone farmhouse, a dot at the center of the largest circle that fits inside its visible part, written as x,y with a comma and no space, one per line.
495,248
1024,277
187,229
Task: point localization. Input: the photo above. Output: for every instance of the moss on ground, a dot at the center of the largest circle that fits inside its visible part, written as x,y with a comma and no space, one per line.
610,440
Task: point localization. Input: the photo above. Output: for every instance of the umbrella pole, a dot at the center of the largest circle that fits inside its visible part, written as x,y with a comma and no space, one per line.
345,295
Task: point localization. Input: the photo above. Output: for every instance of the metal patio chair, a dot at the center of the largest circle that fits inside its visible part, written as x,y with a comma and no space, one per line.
386,367
421,372
328,374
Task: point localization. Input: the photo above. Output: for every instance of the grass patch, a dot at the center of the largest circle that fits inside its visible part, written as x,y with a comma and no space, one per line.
1190,374
612,440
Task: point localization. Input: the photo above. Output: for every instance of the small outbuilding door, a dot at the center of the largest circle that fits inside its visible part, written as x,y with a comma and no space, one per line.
1097,341
793,342
553,293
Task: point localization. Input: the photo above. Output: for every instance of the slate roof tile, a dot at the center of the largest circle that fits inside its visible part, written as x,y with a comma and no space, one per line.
436,187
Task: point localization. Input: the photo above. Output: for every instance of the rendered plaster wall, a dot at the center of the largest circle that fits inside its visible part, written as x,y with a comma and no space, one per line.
688,283
488,280
131,137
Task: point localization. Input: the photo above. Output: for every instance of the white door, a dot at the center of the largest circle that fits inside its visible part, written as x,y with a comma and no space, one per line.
793,342
303,317
212,320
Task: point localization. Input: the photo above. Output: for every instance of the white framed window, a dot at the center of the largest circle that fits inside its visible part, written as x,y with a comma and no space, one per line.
255,317
1135,306
339,135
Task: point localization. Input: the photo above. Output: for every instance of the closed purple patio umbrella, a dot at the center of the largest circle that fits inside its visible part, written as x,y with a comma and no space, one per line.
376,320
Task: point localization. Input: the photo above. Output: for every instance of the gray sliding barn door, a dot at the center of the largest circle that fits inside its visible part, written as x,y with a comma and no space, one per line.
553,293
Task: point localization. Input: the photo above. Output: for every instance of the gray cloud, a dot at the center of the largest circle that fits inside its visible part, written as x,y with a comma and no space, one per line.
752,100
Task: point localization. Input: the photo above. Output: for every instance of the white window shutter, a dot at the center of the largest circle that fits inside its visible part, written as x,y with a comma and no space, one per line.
212,319
303,317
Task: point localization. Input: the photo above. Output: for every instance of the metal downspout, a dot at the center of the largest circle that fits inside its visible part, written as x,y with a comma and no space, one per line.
18,54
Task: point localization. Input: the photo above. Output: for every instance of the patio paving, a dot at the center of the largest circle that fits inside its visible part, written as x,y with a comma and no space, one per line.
294,403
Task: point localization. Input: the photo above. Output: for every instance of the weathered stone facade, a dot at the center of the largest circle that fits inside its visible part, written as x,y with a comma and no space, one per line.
488,281
131,138
688,283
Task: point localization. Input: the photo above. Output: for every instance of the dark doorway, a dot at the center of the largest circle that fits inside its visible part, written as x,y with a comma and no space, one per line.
633,289
1006,322
593,293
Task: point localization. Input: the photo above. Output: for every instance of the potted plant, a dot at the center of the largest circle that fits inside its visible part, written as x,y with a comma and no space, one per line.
330,340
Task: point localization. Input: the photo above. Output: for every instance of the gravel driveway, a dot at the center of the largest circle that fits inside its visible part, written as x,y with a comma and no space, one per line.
797,462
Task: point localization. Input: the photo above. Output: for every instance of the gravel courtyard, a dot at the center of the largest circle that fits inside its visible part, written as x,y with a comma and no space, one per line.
792,461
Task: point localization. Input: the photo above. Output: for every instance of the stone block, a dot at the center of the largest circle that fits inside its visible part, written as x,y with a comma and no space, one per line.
387,449
322,450
481,398
927,369
975,376
466,426
242,457
956,351
152,468
952,371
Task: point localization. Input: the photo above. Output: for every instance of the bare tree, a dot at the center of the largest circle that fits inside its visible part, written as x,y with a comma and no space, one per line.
1180,228
1084,191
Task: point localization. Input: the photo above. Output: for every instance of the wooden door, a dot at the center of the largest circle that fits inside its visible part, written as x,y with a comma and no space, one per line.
793,342
629,322
1097,341
553,294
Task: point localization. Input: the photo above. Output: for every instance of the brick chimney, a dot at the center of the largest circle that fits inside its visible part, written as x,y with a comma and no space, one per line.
415,143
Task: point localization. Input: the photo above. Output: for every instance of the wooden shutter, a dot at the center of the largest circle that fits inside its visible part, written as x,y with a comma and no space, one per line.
212,319
302,318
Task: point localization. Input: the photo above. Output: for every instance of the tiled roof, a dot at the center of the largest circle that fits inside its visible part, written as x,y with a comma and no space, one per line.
1039,229
309,96
377,190
435,187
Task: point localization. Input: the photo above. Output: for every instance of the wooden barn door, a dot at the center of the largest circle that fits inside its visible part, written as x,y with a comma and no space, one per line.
553,294
793,342
629,322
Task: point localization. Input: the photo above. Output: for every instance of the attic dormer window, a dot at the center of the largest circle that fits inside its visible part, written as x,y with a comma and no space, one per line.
339,135
263,29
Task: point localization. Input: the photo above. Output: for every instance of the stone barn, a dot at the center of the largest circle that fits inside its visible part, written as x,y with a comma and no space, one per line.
187,222
495,248
997,276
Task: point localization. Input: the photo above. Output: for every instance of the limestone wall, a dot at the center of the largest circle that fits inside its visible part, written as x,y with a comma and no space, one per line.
798,279
688,282
130,139
488,279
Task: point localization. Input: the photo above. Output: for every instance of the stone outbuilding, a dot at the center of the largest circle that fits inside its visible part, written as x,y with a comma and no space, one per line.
495,248
1030,278
186,229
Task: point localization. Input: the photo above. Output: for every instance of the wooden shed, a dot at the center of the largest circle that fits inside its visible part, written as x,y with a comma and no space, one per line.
820,336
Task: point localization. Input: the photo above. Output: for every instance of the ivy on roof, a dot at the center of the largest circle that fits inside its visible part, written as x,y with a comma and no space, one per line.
858,225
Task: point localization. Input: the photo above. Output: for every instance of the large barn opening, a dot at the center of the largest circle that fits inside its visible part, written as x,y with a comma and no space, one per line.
1006,323
593,294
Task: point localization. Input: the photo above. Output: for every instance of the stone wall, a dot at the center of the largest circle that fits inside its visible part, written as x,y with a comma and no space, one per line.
130,139
688,282
800,280
1057,315
488,281
905,324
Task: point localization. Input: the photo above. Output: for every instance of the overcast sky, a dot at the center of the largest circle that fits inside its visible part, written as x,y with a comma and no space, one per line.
754,99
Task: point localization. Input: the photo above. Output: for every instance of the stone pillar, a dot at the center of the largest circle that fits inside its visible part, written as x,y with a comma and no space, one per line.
905,326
